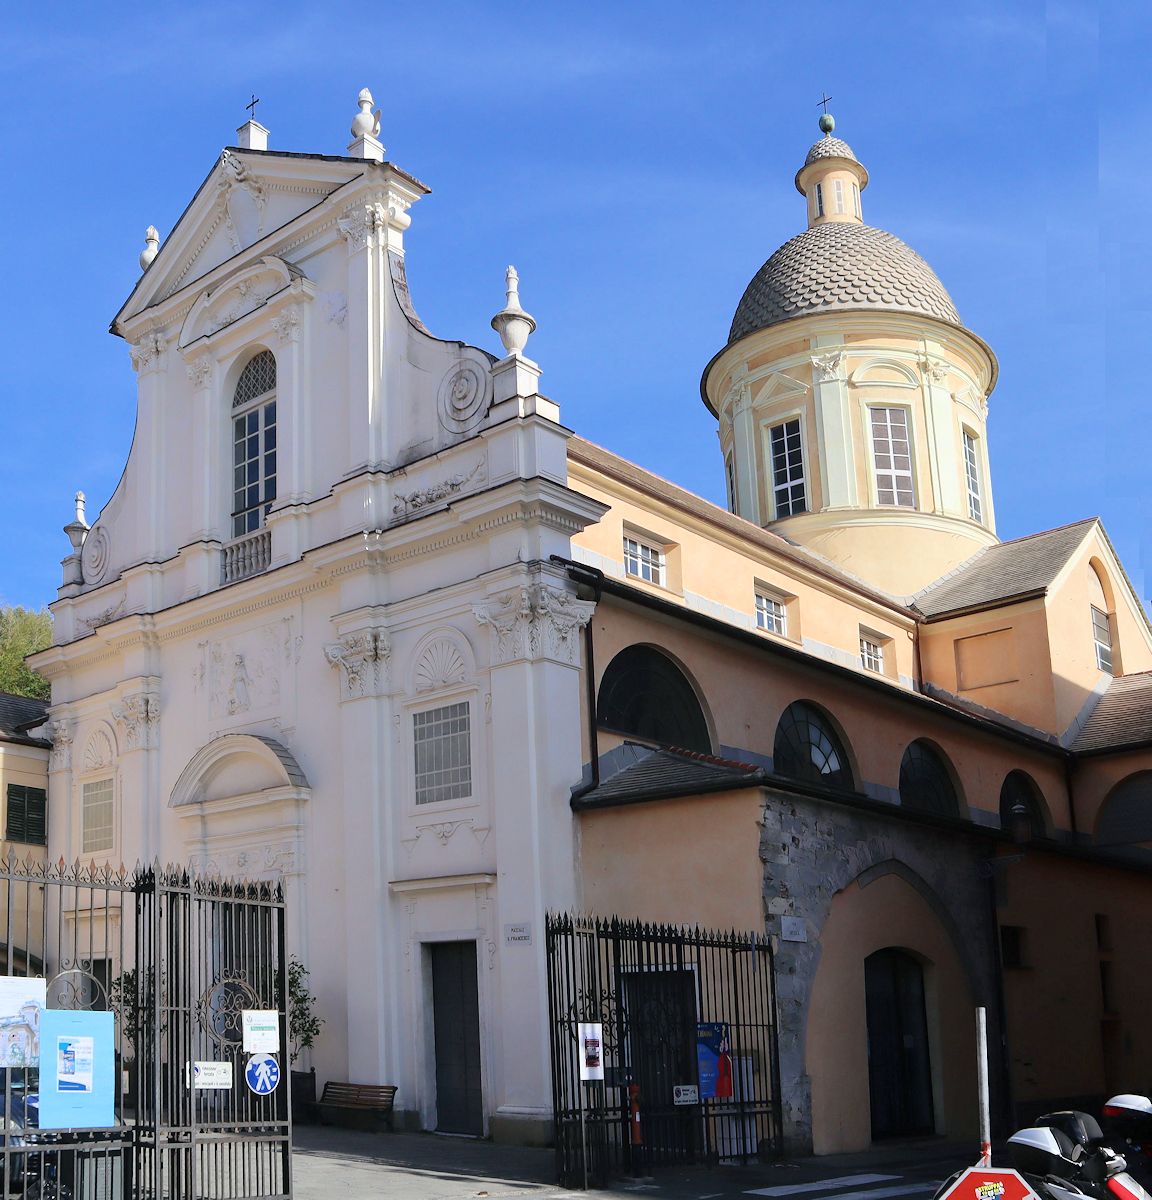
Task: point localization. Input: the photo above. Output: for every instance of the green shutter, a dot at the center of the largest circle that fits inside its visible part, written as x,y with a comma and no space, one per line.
27,815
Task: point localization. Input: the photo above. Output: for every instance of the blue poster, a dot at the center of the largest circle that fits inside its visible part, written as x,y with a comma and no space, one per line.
77,1070
714,1060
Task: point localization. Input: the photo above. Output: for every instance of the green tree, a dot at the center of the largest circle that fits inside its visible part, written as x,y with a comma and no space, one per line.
23,631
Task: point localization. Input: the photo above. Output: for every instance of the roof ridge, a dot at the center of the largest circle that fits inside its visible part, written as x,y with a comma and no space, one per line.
714,759
1024,537
958,569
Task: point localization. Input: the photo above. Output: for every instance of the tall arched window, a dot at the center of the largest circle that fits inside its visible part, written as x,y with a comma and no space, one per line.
926,783
1021,807
254,444
1102,621
1126,816
644,693
807,748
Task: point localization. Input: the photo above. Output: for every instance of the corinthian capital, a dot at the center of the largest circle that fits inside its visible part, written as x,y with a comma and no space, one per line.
362,658
535,621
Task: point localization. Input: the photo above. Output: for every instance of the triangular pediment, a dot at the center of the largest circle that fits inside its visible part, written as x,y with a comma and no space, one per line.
247,195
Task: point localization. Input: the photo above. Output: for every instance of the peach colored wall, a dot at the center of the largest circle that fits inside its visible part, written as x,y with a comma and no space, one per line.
689,861
1094,778
746,693
1056,999
888,912
718,568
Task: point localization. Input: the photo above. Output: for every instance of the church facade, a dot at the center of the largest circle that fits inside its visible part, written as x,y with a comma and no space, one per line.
365,616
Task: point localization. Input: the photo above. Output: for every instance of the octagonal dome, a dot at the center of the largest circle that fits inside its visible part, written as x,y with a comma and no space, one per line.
841,267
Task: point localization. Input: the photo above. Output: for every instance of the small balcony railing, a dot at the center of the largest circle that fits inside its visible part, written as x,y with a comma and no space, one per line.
246,556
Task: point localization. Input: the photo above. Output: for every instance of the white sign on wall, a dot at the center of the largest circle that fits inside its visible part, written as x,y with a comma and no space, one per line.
261,1030
211,1075
518,935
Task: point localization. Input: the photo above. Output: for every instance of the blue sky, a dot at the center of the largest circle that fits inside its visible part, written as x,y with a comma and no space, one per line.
635,161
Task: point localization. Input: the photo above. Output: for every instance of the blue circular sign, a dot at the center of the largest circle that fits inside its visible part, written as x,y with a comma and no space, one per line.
262,1074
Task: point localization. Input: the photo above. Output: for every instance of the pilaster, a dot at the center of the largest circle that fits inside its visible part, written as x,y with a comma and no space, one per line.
944,454
748,491
836,447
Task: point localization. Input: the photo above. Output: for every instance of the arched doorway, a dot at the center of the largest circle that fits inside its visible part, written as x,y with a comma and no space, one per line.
899,1064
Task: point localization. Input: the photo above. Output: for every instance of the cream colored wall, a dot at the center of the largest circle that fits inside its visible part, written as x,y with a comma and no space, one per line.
689,861
28,766
888,912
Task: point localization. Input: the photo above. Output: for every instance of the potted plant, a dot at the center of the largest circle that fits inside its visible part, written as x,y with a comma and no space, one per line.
304,1026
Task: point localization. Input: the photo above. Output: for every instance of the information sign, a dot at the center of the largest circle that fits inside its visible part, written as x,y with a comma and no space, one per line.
989,1183
685,1093
77,1069
590,1035
261,1029
217,1075
22,1000
262,1074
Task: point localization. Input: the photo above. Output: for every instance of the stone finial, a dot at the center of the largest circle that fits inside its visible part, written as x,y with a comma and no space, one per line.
512,323
77,528
151,247
366,130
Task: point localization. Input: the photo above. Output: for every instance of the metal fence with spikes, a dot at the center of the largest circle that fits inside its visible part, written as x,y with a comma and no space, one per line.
177,958
657,992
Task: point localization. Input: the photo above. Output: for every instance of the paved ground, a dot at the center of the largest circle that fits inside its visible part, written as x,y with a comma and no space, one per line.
332,1164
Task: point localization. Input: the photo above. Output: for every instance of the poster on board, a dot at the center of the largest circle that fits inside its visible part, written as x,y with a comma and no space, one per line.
77,1069
714,1060
590,1037
22,1001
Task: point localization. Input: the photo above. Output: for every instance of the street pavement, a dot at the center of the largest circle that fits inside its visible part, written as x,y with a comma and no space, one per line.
336,1164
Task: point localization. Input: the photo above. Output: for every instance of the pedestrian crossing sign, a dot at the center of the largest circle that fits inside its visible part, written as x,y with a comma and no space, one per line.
262,1074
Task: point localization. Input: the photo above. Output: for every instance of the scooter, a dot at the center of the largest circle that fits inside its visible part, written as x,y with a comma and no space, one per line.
1127,1121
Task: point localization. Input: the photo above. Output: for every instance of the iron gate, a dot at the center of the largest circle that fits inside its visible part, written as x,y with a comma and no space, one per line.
176,959
651,987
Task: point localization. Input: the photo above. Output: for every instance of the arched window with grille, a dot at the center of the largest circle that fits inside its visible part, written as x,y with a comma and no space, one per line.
926,783
807,748
254,444
645,694
1022,809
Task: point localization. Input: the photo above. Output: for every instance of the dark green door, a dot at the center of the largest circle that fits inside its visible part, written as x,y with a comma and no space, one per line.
899,1070
456,1020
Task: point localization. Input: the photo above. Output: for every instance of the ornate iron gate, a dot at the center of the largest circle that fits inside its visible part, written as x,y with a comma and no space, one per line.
176,959
652,988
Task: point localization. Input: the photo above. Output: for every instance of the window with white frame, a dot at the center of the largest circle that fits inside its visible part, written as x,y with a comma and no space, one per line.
1102,637
644,561
254,444
771,614
786,446
819,199
856,200
838,189
972,476
892,457
730,479
442,741
97,816
872,654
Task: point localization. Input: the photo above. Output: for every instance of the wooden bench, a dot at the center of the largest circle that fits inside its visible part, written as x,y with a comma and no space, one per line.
357,1105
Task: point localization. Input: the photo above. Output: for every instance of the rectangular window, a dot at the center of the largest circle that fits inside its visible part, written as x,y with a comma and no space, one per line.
819,199
1102,636
972,477
96,816
788,491
771,614
730,479
838,185
443,741
26,818
644,561
253,467
872,655
892,457
856,200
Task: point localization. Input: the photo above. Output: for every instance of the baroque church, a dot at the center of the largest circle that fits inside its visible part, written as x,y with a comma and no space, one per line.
537,739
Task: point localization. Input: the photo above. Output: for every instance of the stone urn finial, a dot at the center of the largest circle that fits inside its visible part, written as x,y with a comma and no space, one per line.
77,528
151,247
366,130
512,323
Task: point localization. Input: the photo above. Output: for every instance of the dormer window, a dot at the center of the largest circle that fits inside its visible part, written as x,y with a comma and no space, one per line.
1102,620
254,444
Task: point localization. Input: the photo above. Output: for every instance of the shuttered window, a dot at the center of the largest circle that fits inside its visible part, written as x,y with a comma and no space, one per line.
27,815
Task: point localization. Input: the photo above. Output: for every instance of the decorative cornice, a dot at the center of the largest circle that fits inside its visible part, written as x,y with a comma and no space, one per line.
362,657
138,716
535,621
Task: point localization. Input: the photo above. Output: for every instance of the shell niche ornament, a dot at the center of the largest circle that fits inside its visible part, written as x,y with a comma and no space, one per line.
366,123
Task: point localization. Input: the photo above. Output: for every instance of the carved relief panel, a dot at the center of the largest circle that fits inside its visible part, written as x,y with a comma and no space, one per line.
250,676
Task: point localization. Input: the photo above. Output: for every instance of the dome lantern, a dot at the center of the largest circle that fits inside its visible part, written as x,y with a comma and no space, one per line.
832,179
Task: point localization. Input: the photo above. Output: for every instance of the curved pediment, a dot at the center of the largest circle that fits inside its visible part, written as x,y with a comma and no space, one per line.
236,297
238,764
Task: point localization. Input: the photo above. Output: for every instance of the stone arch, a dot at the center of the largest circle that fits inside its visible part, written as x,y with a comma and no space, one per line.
838,737
1125,817
240,764
891,906
885,372
1019,788
647,693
